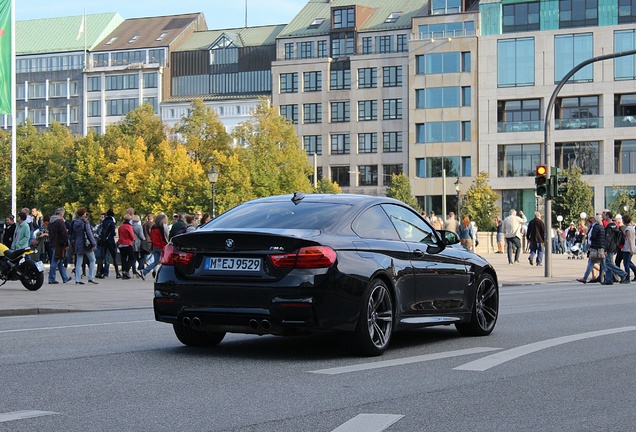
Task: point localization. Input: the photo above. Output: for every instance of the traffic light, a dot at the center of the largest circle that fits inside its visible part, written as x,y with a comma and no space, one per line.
541,181
561,185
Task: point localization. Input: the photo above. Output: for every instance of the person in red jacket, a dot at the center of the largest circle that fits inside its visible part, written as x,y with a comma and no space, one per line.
125,245
159,239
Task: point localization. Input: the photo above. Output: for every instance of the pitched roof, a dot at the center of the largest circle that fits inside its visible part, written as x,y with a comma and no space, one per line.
301,26
245,36
59,35
150,32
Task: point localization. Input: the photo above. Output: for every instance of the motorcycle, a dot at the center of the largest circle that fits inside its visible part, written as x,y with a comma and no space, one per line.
15,266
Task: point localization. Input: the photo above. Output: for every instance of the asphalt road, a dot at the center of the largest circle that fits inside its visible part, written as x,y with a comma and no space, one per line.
562,357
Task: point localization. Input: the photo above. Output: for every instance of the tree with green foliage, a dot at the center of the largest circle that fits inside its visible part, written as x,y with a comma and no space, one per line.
234,184
142,122
622,199
577,198
400,189
326,186
276,162
479,202
203,133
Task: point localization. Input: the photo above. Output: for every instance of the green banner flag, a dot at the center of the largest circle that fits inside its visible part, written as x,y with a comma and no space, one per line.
5,57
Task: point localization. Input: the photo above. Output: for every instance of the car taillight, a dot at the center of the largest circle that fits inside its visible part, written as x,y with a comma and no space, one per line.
172,256
307,257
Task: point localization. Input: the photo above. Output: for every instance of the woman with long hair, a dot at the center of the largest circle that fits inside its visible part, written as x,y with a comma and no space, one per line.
159,239
466,233
125,245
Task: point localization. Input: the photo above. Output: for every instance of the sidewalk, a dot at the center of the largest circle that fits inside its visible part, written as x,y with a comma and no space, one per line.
112,293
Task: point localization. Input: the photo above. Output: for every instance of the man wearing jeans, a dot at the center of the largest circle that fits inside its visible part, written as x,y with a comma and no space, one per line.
611,269
58,235
512,231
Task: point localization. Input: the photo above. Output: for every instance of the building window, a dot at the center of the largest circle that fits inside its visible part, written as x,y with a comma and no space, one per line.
569,51
157,56
344,18
626,11
368,142
289,51
443,7
120,107
312,81
437,63
466,130
152,101
625,67
367,77
578,13
625,157
340,79
340,144
625,110
384,44
432,167
388,171
339,112
392,109
100,60
579,112
93,84
466,96
127,58
402,43
57,89
367,45
519,115
322,49
519,160
313,144
433,132
340,175
437,97
521,17
94,108
37,91
313,113
306,50
151,80
466,167
392,76
289,82
392,142
342,44
367,110
465,61
122,82
290,112
584,155
20,92
367,175
515,62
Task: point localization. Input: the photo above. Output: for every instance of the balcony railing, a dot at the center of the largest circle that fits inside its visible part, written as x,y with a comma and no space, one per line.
582,123
624,121
446,34
528,126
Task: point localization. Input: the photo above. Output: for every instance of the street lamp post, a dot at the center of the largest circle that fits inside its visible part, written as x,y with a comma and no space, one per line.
560,219
457,187
213,177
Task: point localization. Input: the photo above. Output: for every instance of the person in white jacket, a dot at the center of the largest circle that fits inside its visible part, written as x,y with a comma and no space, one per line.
512,227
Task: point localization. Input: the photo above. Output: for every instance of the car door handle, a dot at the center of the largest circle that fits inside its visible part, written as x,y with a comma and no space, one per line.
418,253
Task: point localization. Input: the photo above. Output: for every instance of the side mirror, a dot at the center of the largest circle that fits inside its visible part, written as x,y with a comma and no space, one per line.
449,237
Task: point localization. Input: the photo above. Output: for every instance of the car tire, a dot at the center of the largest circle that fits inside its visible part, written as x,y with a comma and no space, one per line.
197,338
485,309
375,323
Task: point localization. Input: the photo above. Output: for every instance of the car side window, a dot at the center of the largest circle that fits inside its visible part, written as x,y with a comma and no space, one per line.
375,224
410,226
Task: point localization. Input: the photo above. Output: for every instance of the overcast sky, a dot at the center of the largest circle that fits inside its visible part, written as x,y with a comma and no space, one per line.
218,13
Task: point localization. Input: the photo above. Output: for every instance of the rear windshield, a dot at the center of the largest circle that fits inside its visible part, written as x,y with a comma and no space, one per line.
280,215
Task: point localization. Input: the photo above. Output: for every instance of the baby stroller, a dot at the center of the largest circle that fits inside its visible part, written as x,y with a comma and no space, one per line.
575,251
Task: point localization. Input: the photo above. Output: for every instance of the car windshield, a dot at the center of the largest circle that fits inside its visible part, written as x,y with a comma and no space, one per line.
280,215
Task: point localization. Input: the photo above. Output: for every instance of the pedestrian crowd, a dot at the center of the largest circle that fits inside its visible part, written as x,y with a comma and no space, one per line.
92,250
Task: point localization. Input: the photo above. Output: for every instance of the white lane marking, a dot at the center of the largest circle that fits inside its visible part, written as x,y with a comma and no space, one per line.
402,361
369,423
493,360
21,415
74,326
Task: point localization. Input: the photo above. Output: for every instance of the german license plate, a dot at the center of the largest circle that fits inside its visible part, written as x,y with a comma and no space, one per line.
40,266
233,264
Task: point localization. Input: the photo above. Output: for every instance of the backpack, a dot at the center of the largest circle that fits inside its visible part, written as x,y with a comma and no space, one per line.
620,238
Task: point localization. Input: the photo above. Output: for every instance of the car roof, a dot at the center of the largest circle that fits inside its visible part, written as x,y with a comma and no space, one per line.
352,199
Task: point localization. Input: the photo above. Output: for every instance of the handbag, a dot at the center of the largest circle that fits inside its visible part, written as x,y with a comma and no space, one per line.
597,255
146,246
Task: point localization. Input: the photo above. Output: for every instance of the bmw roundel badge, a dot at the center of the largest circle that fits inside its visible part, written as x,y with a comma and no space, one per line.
229,243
